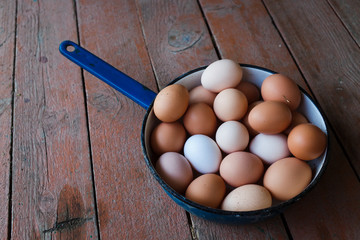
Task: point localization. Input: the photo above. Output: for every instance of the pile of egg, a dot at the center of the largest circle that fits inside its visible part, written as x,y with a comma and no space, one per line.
230,145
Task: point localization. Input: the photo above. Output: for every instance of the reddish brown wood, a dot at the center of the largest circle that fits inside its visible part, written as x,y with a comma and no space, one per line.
259,41
176,36
158,34
348,12
7,40
52,195
131,205
329,60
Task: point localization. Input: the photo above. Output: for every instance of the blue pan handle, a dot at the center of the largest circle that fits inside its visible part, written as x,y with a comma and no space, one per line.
107,73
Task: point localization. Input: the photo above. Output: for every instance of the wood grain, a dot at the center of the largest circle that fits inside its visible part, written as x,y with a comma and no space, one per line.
348,12
247,13
329,60
156,31
176,37
7,45
131,205
52,194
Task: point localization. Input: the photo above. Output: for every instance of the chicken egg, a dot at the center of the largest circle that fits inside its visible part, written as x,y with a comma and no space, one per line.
171,103
270,117
248,197
168,137
221,74
207,190
240,168
176,170
278,87
287,178
230,104
306,141
201,94
200,119
232,136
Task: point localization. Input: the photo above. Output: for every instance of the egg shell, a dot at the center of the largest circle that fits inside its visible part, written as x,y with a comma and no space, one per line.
232,136
168,137
245,119
175,170
248,197
297,118
306,141
269,147
270,117
201,94
230,104
287,178
200,119
221,74
250,90
203,153
240,168
278,87
207,190
171,103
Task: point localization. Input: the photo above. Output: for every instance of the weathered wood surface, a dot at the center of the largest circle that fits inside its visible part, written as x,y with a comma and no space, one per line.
71,161
7,44
52,187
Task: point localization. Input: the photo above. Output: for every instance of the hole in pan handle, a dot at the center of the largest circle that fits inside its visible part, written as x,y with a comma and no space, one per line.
107,73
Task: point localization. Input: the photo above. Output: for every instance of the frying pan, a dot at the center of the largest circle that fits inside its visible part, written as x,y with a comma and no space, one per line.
145,97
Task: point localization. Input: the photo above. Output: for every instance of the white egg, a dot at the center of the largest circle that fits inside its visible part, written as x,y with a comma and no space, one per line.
232,136
269,148
203,153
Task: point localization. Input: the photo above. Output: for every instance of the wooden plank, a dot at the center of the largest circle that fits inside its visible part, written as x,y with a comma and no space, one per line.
324,50
176,36
261,40
331,210
131,205
159,22
52,194
7,41
349,13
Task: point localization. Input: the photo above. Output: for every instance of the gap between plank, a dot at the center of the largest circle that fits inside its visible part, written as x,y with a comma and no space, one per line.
12,128
88,128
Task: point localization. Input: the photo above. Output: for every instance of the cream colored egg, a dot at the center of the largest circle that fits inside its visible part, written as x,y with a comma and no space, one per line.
221,74
247,198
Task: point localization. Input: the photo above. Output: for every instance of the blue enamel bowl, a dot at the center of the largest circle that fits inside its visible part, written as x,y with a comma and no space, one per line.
145,97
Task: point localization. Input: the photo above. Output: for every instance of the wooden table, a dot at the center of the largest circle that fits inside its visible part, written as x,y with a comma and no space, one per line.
71,162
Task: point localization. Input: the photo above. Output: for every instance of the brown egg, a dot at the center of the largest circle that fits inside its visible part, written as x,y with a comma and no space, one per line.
171,103
248,197
168,137
245,119
306,141
287,178
270,117
297,118
240,168
250,90
200,94
278,87
230,104
208,190
200,119
175,170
